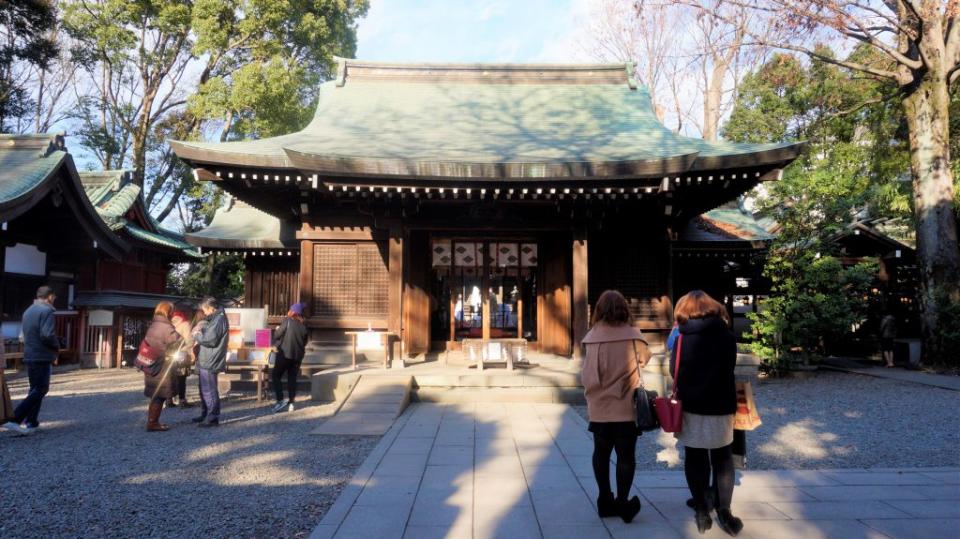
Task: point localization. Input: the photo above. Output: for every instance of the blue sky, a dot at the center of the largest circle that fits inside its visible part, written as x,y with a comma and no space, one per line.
472,31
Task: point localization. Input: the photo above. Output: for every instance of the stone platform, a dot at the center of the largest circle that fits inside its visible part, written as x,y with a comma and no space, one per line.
484,470
545,379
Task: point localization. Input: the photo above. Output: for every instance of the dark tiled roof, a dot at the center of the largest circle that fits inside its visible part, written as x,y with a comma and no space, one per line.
726,225
120,299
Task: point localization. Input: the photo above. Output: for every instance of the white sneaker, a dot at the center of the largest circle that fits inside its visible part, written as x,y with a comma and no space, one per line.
290,407
279,406
16,428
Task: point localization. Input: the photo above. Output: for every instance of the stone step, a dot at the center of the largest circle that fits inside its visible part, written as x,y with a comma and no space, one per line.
371,406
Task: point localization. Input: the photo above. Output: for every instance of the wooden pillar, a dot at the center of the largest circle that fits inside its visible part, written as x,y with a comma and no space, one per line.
485,312
306,275
395,267
581,306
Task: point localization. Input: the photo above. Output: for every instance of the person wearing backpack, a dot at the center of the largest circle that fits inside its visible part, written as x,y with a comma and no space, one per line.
615,354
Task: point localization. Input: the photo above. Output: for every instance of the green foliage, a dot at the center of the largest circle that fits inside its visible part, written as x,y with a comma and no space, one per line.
818,301
271,57
220,276
25,29
948,330
857,154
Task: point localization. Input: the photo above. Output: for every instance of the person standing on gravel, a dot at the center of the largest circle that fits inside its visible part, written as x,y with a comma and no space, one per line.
291,343
704,359
181,321
41,346
211,360
161,338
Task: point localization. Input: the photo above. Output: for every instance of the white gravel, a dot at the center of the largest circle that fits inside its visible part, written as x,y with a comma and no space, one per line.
838,420
93,471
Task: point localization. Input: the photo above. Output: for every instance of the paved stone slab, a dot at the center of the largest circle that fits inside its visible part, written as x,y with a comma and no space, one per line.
868,492
915,528
944,492
849,510
928,508
885,478
809,529
529,475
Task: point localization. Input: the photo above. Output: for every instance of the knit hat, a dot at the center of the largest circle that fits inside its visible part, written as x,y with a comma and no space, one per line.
297,308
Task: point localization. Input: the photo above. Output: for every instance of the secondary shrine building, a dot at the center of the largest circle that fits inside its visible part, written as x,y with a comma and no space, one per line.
441,202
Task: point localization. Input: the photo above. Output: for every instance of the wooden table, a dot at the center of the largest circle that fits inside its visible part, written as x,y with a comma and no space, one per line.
260,372
385,338
509,347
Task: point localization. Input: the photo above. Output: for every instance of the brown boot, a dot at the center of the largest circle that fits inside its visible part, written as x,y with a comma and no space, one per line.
153,417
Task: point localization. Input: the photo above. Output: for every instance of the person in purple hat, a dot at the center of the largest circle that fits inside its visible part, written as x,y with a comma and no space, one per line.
290,341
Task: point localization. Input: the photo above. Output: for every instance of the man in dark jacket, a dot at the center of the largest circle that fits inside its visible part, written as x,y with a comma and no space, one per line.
211,361
40,349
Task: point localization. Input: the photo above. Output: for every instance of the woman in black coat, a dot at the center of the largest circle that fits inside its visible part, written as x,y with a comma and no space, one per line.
706,387
290,341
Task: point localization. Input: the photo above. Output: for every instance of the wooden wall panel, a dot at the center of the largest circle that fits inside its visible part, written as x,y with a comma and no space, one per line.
349,281
639,270
271,281
416,296
554,303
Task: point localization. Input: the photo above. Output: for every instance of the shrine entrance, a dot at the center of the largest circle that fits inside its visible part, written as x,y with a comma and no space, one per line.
483,288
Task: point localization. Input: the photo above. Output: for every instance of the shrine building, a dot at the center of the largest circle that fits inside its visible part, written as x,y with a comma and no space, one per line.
443,202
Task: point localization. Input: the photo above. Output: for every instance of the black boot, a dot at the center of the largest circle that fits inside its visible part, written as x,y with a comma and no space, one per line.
704,522
606,505
711,501
628,509
729,523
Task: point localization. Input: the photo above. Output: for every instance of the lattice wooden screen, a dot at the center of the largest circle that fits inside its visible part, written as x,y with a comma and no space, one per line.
350,280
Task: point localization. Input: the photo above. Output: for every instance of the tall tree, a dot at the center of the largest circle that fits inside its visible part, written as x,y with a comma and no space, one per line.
25,45
250,62
919,41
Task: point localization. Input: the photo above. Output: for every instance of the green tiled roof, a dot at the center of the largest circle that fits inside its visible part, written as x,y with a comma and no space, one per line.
23,169
383,119
164,237
240,226
113,194
33,166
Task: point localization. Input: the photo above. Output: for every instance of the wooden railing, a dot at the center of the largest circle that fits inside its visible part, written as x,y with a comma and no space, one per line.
67,327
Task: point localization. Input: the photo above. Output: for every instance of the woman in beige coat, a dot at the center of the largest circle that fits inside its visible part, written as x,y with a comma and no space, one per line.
615,355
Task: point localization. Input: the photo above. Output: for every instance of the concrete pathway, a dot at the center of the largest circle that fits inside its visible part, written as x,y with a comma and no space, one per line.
523,470
897,373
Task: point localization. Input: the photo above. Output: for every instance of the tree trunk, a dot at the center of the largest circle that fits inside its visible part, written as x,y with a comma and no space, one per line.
711,101
926,108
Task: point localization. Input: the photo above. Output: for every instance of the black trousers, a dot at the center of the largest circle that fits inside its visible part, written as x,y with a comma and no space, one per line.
289,367
698,466
180,387
38,374
626,446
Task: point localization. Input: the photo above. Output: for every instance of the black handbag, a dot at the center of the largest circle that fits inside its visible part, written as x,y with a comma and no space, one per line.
643,401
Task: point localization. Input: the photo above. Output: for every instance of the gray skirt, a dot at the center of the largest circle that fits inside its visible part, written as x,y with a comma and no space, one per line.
706,431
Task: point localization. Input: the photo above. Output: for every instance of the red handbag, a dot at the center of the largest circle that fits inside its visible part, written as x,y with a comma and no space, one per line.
669,409
147,356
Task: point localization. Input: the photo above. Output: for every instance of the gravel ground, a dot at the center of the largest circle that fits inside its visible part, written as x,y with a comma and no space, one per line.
93,471
837,420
